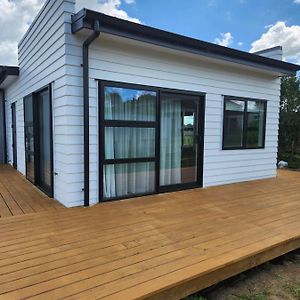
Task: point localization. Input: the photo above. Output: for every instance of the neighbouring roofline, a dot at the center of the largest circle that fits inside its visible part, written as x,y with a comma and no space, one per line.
6,71
86,18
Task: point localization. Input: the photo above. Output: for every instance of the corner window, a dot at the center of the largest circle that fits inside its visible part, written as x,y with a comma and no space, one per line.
244,123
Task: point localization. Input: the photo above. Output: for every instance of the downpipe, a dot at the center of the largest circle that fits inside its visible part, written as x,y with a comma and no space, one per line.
86,111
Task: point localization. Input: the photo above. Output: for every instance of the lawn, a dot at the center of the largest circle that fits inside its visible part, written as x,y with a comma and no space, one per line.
293,161
278,279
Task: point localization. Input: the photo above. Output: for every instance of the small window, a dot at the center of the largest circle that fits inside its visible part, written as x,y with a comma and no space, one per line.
244,123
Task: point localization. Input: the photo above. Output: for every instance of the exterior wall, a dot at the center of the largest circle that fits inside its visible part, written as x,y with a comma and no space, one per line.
50,53
127,61
2,131
42,60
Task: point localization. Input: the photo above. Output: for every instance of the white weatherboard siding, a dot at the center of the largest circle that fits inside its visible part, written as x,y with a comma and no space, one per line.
123,60
50,53
42,61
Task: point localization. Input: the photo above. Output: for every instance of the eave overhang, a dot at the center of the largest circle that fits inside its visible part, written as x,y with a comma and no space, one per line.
85,19
8,74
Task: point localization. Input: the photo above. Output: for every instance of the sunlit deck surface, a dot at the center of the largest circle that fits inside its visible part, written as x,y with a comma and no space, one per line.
155,247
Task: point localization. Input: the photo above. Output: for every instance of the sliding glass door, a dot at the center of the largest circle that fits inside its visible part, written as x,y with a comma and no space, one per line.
150,140
38,139
14,133
29,138
44,121
179,140
128,163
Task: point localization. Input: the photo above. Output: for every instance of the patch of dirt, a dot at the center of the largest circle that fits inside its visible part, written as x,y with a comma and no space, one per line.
275,280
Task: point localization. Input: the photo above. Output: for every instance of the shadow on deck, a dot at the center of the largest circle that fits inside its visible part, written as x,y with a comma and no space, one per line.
18,196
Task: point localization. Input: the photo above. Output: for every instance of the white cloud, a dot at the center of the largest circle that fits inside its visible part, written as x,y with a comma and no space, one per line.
15,19
109,7
17,15
280,34
225,40
297,1
240,44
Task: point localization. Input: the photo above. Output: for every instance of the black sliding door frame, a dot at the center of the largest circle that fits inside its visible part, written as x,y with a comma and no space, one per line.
121,123
27,125
38,181
36,132
200,117
147,124
14,134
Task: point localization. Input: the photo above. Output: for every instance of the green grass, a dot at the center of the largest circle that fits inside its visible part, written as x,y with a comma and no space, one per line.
254,296
195,297
293,161
293,289
267,266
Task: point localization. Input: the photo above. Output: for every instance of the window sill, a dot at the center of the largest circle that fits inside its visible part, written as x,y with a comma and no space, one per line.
239,148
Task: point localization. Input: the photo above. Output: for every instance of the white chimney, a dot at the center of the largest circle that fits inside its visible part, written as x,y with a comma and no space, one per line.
274,52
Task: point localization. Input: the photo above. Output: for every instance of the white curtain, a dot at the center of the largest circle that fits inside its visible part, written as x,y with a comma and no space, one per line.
128,142
170,141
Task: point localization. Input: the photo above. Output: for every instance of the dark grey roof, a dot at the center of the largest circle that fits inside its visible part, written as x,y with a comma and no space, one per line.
85,19
6,71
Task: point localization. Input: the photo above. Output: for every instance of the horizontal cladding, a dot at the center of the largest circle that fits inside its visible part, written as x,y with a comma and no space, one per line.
147,65
42,61
46,19
214,84
131,56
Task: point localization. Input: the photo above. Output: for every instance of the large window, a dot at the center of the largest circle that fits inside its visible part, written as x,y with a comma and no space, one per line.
244,123
150,140
129,141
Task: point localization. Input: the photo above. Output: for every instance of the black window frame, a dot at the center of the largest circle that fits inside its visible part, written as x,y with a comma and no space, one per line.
245,122
35,124
14,134
102,123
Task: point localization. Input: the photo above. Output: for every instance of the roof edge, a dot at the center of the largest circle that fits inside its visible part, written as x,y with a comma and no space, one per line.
85,19
8,71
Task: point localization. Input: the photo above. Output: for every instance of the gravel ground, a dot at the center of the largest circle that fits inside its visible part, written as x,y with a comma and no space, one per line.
275,280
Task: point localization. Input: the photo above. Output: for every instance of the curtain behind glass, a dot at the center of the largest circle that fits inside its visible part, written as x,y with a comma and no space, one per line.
129,142
170,141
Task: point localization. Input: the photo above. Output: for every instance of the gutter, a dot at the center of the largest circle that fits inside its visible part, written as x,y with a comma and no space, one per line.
86,110
4,126
85,19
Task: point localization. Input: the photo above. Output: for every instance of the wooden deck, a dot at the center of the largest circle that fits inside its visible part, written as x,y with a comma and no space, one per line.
18,196
156,247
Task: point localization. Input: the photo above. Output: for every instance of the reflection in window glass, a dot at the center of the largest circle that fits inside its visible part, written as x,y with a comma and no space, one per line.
178,146
128,179
28,109
255,124
233,123
129,104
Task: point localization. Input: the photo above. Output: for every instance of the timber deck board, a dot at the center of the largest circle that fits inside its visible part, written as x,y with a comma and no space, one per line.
163,246
18,196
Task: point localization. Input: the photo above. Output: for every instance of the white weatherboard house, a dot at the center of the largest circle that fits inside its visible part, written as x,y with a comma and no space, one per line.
101,108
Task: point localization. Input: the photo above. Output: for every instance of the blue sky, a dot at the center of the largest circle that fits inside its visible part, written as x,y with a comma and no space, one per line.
246,20
241,24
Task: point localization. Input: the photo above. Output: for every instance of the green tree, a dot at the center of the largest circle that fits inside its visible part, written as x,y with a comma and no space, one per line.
289,129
